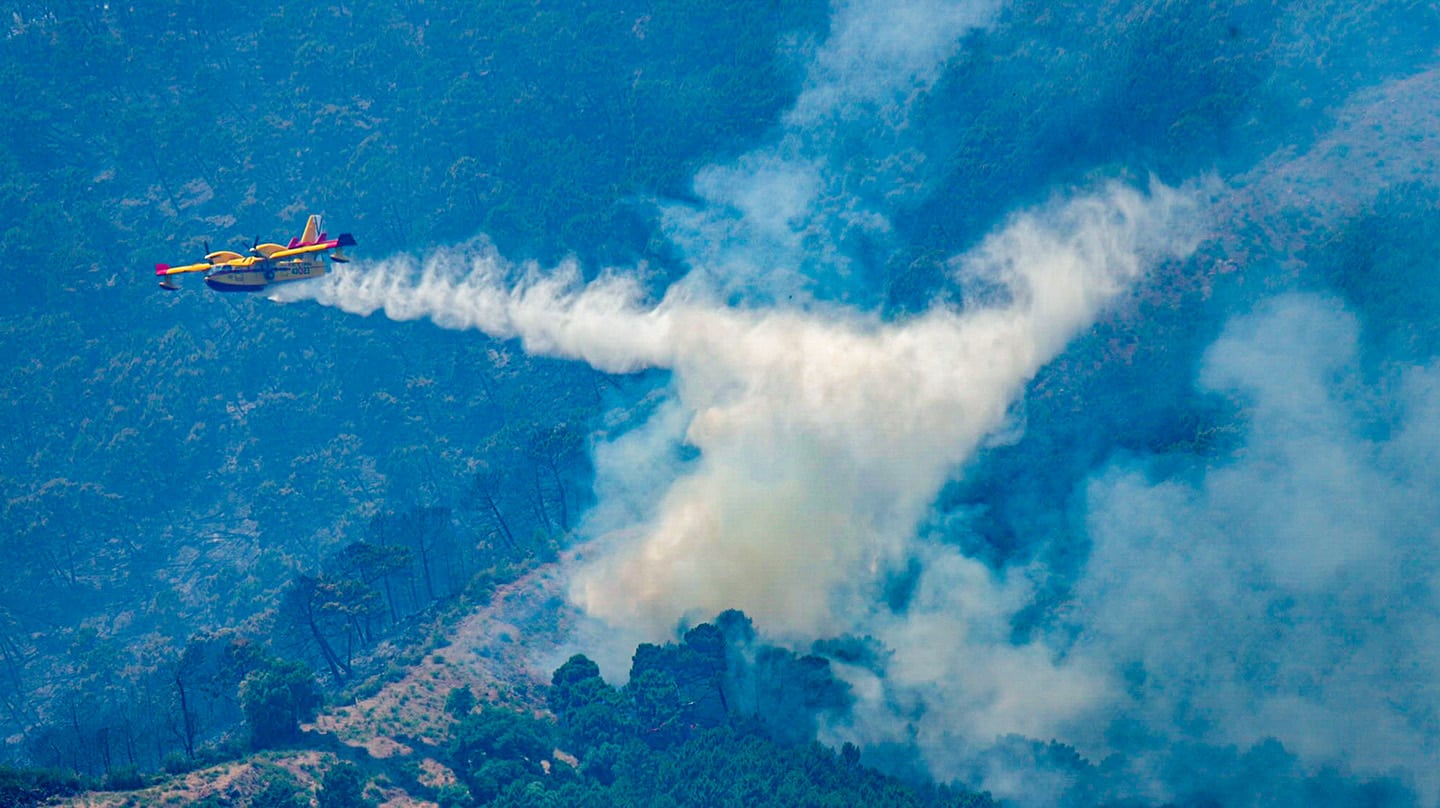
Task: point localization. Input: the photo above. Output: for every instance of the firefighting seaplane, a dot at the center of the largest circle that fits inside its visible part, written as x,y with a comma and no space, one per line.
229,271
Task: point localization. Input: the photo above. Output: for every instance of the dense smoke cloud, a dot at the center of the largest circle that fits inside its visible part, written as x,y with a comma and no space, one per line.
1278,587
823,434
1288,592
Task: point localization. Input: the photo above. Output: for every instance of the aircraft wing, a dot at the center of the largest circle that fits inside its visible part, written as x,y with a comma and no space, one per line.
165,269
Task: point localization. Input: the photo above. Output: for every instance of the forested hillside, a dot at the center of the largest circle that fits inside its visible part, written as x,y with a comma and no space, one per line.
186,472
1052,384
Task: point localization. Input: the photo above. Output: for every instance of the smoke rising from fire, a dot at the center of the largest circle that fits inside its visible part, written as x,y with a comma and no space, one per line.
823,434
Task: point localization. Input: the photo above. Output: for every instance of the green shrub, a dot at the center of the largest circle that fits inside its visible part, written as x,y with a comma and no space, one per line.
125,778
276,698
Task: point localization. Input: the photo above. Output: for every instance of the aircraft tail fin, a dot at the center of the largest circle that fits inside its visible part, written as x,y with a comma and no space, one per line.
345,240
312,230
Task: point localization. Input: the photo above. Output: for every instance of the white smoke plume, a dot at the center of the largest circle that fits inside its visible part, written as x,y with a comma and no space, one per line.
879,54
823,435
775,223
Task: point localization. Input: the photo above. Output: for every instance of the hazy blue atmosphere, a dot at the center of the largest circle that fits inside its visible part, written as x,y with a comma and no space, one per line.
1051,390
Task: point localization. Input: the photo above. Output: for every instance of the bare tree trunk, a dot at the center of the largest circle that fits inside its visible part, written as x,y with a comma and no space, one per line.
187,718
389,598
499,519
339,671
560,494
540,510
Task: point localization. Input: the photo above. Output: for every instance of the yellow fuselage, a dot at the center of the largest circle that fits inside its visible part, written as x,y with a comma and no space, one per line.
251,275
